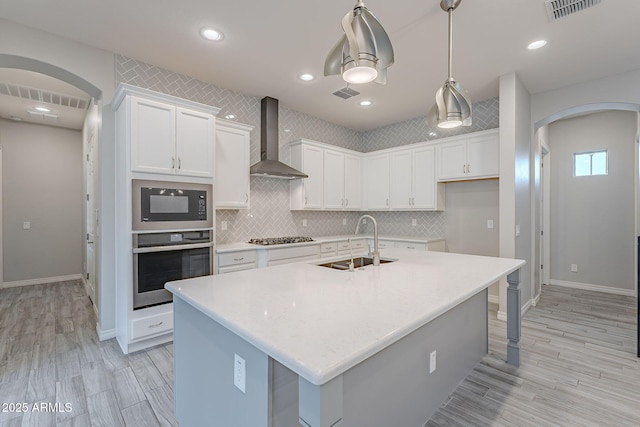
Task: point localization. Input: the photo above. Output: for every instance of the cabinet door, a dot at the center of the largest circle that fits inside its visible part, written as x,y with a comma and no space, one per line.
376,185
353,182
194,143
483,156
312,165
153,136
333,180
452,160
401,196
424,178
231,168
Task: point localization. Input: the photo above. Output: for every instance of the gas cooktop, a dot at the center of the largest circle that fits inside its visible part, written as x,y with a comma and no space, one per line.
280,240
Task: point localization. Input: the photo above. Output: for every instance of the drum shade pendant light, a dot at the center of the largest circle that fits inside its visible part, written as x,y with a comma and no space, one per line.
364,52
452,107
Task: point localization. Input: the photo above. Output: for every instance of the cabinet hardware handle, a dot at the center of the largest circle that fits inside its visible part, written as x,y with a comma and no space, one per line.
173,162
155,325
387,202
346,202
247,197
411,247
464,168
179,163
305,201
238,259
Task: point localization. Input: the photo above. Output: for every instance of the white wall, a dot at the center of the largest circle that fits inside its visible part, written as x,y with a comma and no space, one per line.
42,177
515,181
469,205
593,218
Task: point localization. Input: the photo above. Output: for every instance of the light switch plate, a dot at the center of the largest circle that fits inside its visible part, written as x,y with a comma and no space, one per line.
489,223
239,373
26,225
223,225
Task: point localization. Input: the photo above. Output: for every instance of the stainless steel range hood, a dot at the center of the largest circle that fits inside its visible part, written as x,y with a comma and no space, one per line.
269,166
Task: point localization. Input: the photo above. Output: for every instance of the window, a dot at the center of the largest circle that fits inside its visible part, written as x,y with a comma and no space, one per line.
592,163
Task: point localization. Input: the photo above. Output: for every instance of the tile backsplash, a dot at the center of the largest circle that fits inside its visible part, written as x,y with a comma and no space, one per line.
269,215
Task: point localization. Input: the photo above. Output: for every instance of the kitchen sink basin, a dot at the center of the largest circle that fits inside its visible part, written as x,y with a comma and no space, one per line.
361,261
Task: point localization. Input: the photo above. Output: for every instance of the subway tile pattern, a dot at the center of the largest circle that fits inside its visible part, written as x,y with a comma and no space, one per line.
269,215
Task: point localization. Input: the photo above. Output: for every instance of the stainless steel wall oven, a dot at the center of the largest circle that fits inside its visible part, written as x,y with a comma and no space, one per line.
162,257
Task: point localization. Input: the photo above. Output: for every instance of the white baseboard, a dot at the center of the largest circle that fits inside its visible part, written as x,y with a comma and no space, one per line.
495,299
502,315
589,287
105,335
41,281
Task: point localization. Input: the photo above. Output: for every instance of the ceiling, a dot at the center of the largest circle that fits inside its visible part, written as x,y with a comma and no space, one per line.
267,44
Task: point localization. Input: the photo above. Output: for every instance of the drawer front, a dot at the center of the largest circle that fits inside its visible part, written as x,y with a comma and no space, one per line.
240,267
328,247
236,258
384,244
299,252
359,244
343,246
152,325
412,246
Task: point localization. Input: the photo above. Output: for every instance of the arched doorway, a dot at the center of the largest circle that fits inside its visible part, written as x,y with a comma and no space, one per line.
91,133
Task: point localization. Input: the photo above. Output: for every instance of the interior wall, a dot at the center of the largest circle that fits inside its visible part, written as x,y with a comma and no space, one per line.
515,182
469,206
593,217
42,177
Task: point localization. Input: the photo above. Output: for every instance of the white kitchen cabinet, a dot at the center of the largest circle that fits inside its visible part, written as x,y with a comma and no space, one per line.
232,162
342,181
413,180
307,193
228,262
471,157
292,254
376,182
169,139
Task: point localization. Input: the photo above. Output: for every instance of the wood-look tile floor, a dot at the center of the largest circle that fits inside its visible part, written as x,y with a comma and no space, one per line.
578,368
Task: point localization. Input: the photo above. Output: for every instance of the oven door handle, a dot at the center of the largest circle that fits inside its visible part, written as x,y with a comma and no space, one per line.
171,248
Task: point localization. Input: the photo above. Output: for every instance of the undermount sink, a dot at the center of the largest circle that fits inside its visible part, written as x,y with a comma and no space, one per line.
361,261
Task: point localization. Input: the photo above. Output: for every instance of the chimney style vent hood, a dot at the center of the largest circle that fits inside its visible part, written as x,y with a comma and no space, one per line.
269,166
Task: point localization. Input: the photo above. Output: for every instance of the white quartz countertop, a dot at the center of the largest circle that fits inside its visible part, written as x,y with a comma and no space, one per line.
320,322
240,246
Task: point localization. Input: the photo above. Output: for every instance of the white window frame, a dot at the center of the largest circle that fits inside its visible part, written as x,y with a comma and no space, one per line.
591,153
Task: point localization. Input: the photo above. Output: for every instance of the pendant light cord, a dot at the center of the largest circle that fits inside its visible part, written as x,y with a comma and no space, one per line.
450,42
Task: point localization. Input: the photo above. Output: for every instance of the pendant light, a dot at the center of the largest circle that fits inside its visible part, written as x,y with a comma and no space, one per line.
364,52
452,107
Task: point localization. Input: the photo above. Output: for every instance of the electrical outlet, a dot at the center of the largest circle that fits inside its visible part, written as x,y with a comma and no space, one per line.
432,362
26,225
517,231
574,268
239,373
414,222
364,221
223,225
489,223
304,222
344,221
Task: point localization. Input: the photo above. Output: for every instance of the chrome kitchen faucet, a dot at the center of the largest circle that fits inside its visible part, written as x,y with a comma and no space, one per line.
376,253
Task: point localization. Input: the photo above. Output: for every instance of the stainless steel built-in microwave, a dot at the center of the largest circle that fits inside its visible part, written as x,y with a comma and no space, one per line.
159,205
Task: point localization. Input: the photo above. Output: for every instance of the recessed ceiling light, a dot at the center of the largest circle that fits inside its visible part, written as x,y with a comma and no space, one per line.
433,134
536,44
365,103
42,109
230,116
211,34
306,77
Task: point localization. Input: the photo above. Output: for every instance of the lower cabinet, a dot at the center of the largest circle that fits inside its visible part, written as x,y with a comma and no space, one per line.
236,261
292,254
436,246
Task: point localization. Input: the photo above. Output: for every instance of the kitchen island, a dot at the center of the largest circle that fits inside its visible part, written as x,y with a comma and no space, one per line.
301,344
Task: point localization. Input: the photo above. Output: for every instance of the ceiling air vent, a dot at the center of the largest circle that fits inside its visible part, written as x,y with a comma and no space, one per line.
557,9
346,93
39,95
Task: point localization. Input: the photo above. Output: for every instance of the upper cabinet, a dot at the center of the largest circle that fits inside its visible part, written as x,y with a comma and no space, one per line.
165,134
413,183
335,177
342,181
472,156
232,162
306,193
377,181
